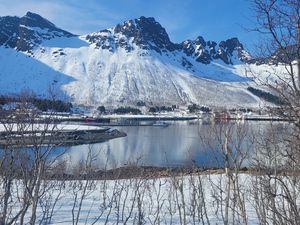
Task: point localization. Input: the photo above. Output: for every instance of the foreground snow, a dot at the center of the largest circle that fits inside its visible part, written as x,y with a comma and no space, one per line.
173,200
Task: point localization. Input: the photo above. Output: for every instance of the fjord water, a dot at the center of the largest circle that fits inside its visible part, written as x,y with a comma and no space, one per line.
181,144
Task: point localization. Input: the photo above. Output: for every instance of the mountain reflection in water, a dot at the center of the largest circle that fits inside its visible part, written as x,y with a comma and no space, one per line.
181,144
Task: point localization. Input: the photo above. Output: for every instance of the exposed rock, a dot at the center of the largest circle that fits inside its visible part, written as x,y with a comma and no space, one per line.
28,31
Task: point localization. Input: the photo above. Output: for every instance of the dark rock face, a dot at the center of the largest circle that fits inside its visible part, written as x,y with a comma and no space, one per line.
204,52
104,40
28,31
197,49
146,33
226,49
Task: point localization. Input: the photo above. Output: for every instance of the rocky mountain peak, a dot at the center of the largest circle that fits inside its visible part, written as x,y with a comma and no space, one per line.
231,44
31,30
35,20
145,32
206,51
197,49
232,49
200,41
26,32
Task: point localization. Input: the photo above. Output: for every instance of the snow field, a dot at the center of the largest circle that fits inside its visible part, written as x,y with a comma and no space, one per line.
172,200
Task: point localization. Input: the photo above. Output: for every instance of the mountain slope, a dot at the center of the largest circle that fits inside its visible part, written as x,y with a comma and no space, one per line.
133,61
20,73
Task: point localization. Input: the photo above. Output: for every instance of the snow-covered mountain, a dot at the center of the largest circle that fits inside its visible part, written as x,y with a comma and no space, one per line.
133,61
27,32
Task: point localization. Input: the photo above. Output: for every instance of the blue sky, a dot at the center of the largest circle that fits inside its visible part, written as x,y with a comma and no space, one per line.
183,19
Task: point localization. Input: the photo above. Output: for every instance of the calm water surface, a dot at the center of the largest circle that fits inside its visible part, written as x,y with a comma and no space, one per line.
179,144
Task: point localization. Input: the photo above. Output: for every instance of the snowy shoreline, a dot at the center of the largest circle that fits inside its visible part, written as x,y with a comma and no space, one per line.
27,134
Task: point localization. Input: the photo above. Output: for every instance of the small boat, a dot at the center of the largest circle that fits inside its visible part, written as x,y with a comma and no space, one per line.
160,124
